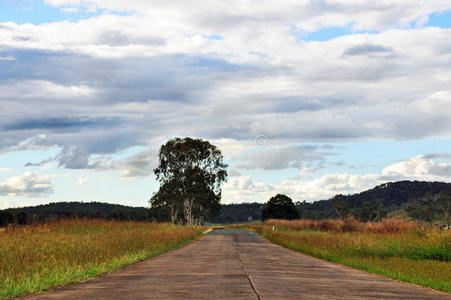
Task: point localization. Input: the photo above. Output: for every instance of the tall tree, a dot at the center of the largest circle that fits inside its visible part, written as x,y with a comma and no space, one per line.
195,168
370,211
341,209
5,218
444,204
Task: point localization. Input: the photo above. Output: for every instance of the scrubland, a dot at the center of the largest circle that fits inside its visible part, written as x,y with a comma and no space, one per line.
37,257
397,249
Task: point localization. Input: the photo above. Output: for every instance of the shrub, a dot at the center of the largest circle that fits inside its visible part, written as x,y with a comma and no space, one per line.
349,224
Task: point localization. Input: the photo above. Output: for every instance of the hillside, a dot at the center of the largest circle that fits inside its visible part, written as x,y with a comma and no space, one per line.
393,196
82,209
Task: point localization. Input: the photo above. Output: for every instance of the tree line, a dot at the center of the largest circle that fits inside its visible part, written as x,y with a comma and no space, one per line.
426,209
64,210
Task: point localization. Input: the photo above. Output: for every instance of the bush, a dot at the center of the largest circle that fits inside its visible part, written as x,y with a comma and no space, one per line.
349,224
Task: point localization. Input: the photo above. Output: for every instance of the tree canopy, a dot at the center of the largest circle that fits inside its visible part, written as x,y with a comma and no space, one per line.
191,173
431,207
280,207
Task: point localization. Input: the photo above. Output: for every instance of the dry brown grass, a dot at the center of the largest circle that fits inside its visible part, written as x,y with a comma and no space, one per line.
40,256
347,225
394,248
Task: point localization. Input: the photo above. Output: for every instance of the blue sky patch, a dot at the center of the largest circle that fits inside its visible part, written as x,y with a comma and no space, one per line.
442,19
328,33
38,12
214,37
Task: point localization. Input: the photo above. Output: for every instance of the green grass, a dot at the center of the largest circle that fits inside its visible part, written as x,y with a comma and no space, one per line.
39,257
419,257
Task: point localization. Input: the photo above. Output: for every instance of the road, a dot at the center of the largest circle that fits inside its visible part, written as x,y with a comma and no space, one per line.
237,264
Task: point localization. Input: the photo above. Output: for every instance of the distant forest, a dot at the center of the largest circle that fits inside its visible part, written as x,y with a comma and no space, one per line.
62,210
390,196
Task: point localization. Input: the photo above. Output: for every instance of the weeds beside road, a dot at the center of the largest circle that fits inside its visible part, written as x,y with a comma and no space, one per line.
38,257
396,249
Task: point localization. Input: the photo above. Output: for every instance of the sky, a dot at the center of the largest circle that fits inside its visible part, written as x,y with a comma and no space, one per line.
306,98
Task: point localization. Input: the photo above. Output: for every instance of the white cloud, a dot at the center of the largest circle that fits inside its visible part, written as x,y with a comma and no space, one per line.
418,168
289,90
70,9
276,158
108,83
5,169
82,180
47,166
29,184
32,89
306,15
243,189
7,58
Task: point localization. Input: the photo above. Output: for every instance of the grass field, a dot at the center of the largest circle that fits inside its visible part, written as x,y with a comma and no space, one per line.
37,257
396,249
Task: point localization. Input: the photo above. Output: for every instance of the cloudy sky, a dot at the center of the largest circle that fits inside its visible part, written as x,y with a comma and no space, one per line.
308,98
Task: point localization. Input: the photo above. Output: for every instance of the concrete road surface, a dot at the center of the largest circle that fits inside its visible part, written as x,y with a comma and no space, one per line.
238,264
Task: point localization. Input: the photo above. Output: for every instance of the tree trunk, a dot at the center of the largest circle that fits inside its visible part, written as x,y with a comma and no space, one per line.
191,204
447,214
187,203
173,214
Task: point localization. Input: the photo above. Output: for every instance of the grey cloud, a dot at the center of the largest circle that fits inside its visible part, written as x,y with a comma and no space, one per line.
78,148
22,38
117,38
296,104
444,171
444,155
139,98
367,49
38,164
74,157
171,78
234,173
283,157
62,123
141,164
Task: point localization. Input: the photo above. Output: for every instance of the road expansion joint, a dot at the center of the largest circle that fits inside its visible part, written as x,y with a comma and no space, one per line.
245,271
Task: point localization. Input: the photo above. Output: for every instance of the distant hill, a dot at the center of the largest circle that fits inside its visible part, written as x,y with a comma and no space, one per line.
81,209
393,196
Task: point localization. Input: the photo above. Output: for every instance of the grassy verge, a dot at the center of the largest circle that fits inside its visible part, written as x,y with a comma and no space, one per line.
38,257
417,256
